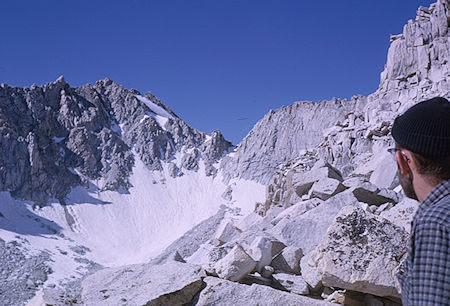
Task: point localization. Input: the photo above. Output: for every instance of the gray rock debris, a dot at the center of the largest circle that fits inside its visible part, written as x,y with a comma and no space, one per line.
325,188
293,182
288,260
20,275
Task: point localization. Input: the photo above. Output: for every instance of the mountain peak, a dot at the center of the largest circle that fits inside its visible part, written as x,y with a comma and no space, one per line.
60,79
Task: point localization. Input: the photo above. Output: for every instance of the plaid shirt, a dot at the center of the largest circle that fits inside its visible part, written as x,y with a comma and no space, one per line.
426,278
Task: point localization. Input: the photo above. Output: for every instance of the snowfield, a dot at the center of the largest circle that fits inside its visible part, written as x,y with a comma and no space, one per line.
119,228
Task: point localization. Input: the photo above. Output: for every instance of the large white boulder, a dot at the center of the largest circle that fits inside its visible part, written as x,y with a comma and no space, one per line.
235,265
385,172
171,283
360,252
223,292
306,230
264,249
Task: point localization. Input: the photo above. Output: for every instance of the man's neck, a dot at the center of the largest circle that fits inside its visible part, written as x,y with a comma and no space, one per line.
423,186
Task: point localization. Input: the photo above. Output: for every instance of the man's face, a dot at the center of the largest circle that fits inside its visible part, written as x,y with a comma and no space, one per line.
407,184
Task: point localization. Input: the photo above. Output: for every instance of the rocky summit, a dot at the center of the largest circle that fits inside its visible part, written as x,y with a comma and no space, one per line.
109,198
56,137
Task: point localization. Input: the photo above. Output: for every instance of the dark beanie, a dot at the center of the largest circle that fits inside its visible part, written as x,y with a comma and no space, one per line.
425,128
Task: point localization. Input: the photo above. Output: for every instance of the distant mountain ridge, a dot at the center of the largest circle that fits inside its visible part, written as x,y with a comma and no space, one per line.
55,137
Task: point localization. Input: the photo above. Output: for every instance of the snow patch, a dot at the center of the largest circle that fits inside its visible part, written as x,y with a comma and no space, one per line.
158,110
246,194
144,118
116,128
58,139
161,121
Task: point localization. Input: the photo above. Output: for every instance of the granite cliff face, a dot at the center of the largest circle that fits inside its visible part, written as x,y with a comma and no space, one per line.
282,134
56,137
417,69
346,133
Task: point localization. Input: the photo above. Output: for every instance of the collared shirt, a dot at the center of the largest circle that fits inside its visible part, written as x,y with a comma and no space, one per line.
426,278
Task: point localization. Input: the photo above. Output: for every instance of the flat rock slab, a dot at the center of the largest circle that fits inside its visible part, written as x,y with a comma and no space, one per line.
297,210
303,181
371,197
223,292
292,283
172,283
326,187
360,252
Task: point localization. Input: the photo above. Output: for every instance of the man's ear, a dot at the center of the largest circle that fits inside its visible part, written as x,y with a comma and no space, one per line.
404,162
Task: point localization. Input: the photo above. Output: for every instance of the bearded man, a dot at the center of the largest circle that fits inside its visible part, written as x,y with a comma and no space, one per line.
422,153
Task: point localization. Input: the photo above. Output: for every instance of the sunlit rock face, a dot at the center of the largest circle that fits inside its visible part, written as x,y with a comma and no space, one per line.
282,134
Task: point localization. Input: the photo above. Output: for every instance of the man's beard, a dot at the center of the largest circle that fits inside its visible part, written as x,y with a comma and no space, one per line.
407,185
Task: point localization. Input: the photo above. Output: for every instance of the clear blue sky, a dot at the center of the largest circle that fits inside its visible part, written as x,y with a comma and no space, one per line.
218,64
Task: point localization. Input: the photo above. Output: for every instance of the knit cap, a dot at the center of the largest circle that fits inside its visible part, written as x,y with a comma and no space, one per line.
425,128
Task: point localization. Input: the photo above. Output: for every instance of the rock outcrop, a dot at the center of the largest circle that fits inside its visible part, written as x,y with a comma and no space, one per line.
20,275
360,252
172,283
417,69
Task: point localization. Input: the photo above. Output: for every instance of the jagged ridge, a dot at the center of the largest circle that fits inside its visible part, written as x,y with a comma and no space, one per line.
56,137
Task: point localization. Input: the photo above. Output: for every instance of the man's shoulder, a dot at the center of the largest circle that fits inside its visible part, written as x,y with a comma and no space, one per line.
437,213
